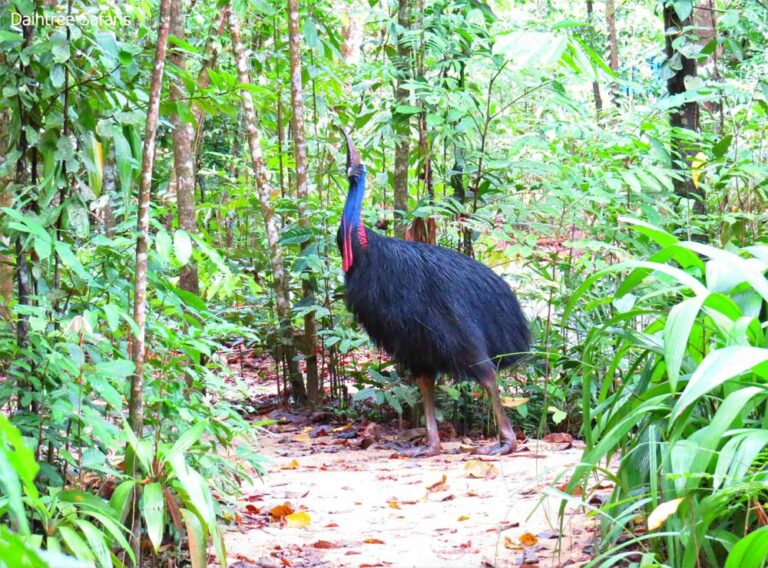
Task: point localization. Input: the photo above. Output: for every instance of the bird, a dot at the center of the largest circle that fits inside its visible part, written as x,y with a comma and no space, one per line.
433,310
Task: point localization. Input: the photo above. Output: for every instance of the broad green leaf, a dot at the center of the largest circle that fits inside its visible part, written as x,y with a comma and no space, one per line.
182,246
120,498
116,369
153,511
95,539
750,552
716,368
76,544
164,245
676,332
197,538
187,440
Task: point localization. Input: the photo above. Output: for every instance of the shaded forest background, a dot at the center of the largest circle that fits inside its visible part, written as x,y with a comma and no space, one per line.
171,182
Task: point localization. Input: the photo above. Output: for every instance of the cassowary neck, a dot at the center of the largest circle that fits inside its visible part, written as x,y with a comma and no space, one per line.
351,227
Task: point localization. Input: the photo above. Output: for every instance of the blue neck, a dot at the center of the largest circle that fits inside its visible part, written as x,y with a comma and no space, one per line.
351,216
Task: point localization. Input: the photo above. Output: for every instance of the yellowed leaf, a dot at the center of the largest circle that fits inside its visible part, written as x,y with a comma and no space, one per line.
662,513
393,505
527,539
302,438
343,428
513,401
438,485
298,520
293,465
464,518
511,544
373,541
697,167
480,469
281,510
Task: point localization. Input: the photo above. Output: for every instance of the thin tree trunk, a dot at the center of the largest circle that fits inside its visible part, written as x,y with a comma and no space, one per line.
300,146
203,79
264,190
6,200
595,84
613,43
183,153
402,121
136,405
685,116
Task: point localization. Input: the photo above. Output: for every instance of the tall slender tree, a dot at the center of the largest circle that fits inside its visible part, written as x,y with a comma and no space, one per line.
402,120
6,200
302,190
183,151
264,191
686,115
136,404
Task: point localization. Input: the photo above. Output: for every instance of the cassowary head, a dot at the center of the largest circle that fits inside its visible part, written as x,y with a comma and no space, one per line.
351,227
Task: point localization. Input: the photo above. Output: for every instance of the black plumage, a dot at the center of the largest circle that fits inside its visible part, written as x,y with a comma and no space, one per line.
434,310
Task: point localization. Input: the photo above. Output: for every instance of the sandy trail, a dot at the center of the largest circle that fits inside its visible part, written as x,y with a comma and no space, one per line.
366,508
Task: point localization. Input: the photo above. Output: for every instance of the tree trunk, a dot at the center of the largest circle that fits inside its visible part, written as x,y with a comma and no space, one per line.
595,84
136,405
686,116
264,190
183,153
402,120
613,44
203,79
6,200
300,151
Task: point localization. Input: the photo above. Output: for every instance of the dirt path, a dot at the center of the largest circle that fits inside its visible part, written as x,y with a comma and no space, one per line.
365,508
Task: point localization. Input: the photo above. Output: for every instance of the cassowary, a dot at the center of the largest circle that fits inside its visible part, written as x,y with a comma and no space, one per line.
433,310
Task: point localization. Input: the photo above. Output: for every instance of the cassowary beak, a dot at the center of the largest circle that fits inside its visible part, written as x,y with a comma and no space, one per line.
353,158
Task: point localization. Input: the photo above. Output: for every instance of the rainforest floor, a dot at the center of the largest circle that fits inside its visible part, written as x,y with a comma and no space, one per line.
342,496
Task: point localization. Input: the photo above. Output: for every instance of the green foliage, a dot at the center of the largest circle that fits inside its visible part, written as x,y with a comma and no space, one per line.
682,404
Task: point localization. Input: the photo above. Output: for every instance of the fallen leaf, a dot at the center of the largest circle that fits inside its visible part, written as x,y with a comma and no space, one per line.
325,544
662,513
464,518
373,541
438,485
393,505
298,520
480,469
576,492
527,539
302,438
253,509
511,544
558,438
343,428
293,465
512,402
331,525
281,510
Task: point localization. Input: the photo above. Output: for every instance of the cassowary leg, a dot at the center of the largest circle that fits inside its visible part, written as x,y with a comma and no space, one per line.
432,446
508,441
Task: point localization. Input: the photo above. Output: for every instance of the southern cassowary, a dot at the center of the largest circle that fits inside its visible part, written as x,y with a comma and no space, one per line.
432,309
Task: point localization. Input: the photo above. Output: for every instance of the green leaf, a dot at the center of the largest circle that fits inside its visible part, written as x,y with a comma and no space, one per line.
187,440
683,8
750,552
408,109
120,498
112,315
96,541
163,244
76,544
116,369
182,246
722,146
716,368
152,509
197,538
676,333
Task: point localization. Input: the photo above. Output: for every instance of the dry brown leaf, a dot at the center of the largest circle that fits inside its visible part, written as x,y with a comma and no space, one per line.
464,518
393,505
438,485
576,492
480,469
513,401
373,541
253,509
325,544
527,539
298,520
302,438
558,438
292,465
281,510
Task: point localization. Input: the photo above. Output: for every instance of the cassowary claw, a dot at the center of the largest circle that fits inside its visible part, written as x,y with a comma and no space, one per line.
497,449
422,452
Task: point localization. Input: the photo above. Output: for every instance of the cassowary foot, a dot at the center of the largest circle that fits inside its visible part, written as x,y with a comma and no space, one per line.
423,451
498,449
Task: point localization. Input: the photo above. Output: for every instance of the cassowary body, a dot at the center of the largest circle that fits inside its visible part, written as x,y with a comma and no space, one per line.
432,309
